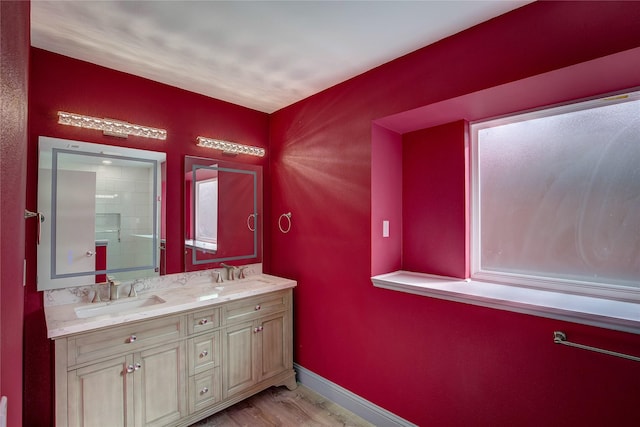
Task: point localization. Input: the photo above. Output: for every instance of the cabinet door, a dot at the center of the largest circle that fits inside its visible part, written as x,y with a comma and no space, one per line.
160,385
239,360
97,394
273,352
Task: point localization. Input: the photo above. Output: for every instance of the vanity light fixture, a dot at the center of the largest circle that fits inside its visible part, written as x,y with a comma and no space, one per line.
110,127
230,148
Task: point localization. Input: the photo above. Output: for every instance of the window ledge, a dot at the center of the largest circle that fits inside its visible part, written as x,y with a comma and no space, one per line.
604,313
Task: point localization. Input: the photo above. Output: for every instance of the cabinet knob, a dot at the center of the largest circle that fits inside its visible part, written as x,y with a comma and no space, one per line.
90,253
258,329
258,307
204,390
137,366
204,321
132,338
130,369
204,354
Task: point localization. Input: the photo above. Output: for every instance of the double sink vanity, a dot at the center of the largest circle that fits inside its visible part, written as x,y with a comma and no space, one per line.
135,346
184,348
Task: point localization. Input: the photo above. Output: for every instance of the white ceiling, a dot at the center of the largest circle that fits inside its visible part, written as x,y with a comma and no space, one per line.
263,55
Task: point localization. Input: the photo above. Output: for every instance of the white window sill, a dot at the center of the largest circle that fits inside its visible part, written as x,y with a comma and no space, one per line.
604,313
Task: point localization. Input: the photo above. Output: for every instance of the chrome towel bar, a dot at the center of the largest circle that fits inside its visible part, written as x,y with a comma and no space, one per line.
561,338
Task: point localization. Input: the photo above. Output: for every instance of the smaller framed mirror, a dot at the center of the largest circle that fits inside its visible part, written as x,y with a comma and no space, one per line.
223,212
102,213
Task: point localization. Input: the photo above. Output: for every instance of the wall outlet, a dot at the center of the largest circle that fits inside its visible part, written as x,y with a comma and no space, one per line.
385,228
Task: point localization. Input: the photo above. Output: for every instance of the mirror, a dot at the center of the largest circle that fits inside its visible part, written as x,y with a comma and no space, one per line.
102,210
223,211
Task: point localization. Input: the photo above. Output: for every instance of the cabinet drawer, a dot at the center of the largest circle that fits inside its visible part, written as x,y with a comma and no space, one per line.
122,339
254,307
203,320
204,352
205,389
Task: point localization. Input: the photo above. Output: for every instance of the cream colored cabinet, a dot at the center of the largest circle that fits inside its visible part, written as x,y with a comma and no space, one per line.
256,350
273,346
160,385
240,370
139,388
97,394
177,369
205,384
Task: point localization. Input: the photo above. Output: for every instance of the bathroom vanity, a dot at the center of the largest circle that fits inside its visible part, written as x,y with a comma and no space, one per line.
136,347
184,348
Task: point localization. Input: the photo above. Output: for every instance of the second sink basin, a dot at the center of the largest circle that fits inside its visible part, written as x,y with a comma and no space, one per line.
118,306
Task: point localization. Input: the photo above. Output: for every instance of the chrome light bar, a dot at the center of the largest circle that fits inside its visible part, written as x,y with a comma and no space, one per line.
110,127
230,147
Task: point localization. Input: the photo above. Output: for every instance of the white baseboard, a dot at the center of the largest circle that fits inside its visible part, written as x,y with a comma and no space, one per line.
373,413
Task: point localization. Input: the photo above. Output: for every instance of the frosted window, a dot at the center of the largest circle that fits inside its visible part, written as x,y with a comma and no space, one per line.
557,194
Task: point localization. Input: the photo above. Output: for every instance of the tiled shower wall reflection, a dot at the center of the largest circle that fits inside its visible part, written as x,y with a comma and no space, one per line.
124,217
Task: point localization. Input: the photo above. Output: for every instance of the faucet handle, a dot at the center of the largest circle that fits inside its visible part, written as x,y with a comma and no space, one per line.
241,275
132,290
96,295
217,276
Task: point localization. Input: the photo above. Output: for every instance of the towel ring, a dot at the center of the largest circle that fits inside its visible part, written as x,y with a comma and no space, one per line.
287,224
254,216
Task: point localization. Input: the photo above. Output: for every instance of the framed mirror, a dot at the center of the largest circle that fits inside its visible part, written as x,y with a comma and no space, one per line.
102,210
223,212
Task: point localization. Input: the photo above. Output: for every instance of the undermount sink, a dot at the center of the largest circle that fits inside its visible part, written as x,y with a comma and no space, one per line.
231,286
118,306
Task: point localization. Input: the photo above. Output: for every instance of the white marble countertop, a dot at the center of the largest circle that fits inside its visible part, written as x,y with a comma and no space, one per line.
62,320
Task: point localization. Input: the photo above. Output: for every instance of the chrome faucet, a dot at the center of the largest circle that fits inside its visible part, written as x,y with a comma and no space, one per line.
231,274
241,272
112,290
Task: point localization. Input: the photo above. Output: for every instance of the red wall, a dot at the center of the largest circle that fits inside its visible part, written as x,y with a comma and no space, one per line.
434,194
430,361
60,83
14,69
386,200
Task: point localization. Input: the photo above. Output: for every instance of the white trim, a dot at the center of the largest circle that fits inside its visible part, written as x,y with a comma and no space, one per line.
374,414
604,313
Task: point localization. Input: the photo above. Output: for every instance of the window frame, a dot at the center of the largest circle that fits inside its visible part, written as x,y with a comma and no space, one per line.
590,289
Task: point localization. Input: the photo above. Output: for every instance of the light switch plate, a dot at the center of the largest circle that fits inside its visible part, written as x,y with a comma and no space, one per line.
385,228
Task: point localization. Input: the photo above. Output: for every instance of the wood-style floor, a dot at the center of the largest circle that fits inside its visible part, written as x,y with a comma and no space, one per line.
278,406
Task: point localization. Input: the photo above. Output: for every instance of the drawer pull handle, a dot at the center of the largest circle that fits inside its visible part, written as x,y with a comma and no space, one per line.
204,321
132,338
204,354
204,390
130,369
258,307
